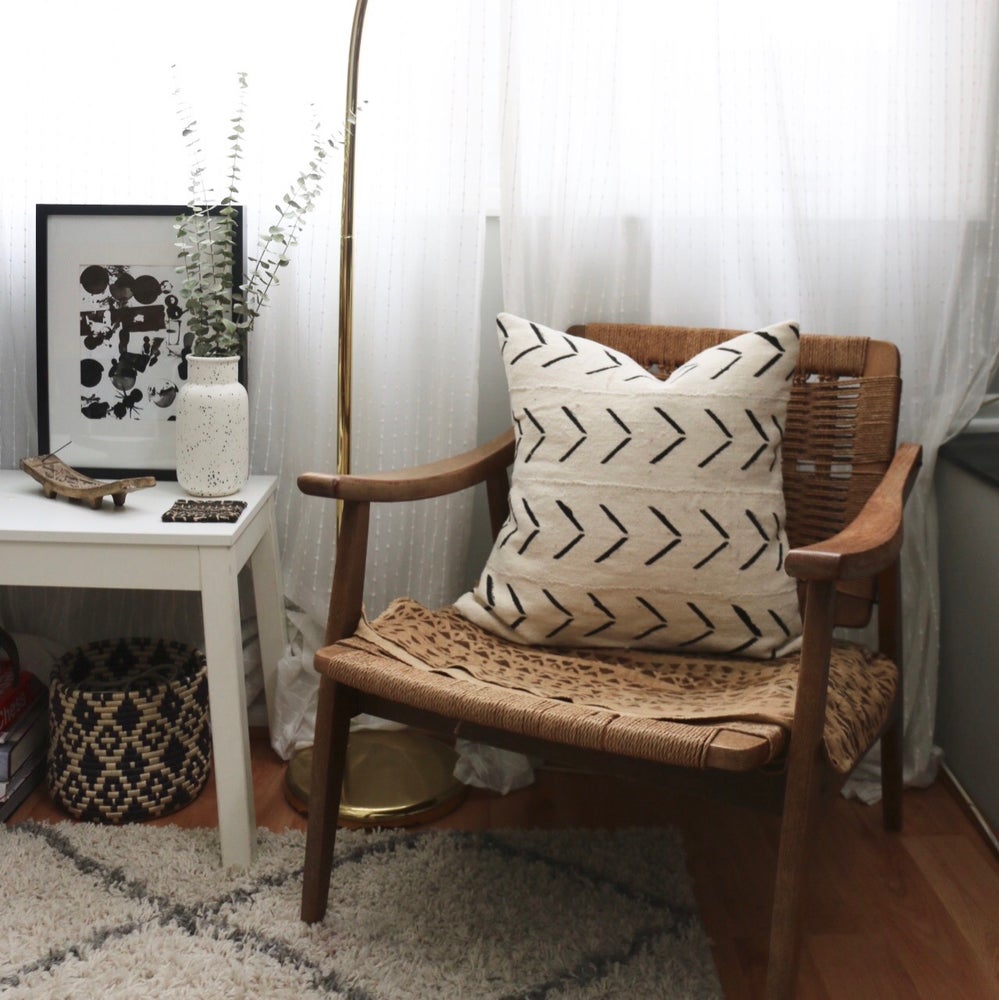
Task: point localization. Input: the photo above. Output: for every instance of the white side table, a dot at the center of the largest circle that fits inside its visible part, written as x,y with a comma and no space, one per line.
61,543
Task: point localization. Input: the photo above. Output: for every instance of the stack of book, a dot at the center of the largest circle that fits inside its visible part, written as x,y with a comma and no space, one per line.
24,734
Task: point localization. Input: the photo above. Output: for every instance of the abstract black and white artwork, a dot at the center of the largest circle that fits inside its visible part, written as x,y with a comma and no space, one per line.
112,339
133,347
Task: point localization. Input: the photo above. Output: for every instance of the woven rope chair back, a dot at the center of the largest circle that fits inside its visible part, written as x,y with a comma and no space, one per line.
841,425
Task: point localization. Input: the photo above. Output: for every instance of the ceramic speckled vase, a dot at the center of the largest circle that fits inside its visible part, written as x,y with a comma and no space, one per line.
213,428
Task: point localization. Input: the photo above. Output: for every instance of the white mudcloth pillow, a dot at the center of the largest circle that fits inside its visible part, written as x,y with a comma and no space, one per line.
644,513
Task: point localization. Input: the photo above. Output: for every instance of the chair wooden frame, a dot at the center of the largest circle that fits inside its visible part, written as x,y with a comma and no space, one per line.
840,577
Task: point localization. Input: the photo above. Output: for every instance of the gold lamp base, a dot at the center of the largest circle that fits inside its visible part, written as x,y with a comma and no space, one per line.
393,777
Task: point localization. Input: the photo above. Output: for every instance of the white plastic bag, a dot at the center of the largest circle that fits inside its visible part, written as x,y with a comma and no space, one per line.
297,691
489,767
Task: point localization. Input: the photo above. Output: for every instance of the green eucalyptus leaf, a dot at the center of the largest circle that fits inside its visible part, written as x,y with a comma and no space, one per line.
218,315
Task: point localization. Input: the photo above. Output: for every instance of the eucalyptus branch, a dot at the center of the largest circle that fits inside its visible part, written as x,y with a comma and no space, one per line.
299,200
218,316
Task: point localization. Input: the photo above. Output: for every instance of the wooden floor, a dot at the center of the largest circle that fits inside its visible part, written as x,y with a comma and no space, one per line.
912,916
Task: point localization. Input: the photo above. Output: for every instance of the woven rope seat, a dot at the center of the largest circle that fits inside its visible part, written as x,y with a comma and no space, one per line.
129,727
649,706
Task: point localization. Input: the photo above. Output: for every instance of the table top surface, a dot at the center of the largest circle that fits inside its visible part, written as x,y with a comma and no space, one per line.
26,514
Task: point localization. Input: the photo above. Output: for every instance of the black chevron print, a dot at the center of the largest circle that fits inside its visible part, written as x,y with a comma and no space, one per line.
751,625
781,624
662,623
573,351
624,441
615,362
519,436
530,416
516,603
620,527
534,347
504,538
512,519
722,447
709,626
569,617
778,348
491,603
721,531
754,630
736,357
571,517
579,427
534,420
766,541
762,448
679,430
536,529
664,520
506,336
611,619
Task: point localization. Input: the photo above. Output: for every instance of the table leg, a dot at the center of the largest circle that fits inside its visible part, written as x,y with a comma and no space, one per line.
268,596
227,705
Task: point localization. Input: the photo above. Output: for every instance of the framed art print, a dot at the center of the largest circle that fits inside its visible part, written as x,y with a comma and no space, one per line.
112,342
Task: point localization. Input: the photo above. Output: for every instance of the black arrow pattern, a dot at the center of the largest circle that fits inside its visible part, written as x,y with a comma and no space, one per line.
616,545
582,434
644,512
671,544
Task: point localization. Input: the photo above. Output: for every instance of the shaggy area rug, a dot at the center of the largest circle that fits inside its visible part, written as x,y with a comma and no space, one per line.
138,911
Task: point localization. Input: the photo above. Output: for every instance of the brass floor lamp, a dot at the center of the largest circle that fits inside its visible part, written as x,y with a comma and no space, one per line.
393,777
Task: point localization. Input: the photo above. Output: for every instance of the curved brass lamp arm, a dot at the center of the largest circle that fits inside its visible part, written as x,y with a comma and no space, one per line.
345,350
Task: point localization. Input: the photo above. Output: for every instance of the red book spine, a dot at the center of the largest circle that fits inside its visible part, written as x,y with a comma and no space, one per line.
15,700
6,676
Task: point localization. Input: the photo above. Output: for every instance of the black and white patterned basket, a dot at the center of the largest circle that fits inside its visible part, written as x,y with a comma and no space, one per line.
130,737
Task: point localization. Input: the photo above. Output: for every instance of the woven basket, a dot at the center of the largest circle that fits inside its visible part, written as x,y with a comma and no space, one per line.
129,732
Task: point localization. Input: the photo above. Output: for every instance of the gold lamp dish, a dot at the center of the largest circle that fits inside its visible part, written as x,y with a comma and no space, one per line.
393,777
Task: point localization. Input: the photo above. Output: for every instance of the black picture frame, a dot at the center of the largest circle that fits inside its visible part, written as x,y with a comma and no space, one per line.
111,341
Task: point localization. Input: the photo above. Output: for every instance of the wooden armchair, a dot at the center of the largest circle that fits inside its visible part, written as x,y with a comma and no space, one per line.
845,484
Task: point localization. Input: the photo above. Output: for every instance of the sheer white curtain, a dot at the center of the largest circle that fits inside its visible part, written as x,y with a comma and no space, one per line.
735,164
90,117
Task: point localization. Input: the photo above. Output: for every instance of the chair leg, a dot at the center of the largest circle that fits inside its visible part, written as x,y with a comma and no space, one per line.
792,863
329,755
890,643
801,790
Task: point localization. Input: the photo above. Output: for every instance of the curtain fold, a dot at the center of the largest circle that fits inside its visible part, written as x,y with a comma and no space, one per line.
729,164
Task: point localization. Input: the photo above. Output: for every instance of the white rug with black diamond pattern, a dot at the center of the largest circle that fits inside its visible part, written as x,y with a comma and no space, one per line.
140,911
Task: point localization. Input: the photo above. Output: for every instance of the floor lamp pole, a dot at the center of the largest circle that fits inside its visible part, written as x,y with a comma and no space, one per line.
392,777
345,355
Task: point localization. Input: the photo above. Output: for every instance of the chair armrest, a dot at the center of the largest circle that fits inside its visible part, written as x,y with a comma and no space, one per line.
873,539
435,479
